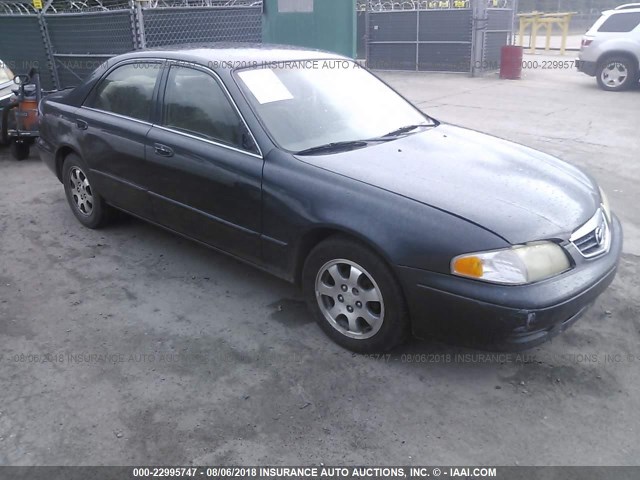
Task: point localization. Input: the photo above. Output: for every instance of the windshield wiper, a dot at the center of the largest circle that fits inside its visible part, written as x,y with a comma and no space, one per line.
353,144
407,129
334,147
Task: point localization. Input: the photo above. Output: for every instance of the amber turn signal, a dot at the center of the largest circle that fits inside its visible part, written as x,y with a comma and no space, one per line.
469,266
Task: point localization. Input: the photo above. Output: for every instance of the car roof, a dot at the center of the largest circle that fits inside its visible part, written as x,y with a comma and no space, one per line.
223,58
620,11
229,56
628,6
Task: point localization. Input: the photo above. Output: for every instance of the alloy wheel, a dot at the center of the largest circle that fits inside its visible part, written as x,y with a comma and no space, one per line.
81,191
349,298
614,74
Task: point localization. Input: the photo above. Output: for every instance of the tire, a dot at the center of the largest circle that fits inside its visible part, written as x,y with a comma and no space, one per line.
20,150
364,309
615,74
86,203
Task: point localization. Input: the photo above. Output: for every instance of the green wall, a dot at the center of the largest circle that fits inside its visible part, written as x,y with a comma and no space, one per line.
331,26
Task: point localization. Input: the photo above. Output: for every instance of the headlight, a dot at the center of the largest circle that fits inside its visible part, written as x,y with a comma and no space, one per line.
605,205
517,265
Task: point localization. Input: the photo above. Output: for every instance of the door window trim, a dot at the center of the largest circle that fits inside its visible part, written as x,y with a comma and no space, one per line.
218,80
118,115
161,66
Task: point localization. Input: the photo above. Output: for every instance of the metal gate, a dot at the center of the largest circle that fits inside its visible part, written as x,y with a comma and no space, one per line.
496,32
434,35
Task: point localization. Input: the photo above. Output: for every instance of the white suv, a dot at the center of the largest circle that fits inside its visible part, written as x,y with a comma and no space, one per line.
611,48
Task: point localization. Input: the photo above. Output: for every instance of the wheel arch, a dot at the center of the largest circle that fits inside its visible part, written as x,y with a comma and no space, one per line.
316,235
61,154
619,53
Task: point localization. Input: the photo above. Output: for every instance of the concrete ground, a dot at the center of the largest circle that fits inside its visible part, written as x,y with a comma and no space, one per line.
130,345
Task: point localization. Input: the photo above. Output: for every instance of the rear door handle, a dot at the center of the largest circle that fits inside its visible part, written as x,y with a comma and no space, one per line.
81,124
163,150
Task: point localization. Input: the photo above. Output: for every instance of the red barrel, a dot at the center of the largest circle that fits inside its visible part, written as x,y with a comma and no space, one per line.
511,62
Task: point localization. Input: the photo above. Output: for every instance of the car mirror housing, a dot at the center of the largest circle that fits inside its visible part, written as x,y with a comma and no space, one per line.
20,79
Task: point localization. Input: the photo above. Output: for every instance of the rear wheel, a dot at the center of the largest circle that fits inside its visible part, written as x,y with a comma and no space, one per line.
615,74
85,202
20,150
354,296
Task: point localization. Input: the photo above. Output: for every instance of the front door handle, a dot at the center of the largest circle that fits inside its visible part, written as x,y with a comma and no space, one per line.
81,124
163,150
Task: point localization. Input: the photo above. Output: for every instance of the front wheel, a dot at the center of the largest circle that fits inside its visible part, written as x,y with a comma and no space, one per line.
616,74
354,296
20,150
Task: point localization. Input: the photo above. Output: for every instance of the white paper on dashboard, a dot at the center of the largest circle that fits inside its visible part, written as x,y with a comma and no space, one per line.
265,85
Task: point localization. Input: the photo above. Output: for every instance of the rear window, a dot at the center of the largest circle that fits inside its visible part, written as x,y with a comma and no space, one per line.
127,90
620,22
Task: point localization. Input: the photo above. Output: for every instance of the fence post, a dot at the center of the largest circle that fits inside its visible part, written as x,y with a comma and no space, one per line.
137,25
514,20
479,25
48,47
367,7
418,37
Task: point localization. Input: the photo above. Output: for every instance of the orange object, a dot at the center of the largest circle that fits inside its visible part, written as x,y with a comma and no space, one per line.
28,111
471,266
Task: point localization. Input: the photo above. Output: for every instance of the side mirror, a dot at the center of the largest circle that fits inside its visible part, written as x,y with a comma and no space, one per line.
20,79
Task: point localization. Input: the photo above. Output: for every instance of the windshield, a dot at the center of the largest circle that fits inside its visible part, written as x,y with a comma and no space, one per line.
308,104
5,74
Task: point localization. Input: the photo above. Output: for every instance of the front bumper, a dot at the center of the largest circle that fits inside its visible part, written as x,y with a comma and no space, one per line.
506,317
4,101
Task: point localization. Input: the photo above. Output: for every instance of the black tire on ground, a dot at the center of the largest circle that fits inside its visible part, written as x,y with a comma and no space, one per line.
86,204
20,151
609,66
395,326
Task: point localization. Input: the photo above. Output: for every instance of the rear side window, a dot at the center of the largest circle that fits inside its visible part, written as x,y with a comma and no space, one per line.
195,103
620,22
128,91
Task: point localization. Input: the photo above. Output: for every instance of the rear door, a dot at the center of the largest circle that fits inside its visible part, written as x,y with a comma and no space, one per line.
207,180
112,127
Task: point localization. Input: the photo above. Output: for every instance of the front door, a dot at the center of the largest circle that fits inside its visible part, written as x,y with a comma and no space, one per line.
207,170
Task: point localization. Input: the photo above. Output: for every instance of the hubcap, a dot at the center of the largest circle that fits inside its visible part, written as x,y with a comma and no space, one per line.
614,74
81,191
350,299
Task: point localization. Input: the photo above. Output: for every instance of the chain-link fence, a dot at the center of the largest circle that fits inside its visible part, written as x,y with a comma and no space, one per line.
67,39
178,25
22,46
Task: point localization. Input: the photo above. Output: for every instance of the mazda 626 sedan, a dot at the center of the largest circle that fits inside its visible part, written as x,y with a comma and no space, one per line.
306,165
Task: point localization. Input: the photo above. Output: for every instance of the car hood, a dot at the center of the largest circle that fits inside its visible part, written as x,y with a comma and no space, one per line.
514,191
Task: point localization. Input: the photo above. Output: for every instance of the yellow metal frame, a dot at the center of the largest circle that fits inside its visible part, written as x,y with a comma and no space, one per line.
537,20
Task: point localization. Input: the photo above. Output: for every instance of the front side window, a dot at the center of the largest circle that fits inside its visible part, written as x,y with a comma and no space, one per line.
307,104
127,90
620,22
196,104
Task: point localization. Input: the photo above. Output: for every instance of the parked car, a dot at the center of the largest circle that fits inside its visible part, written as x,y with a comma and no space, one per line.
610,50
6,87
306,165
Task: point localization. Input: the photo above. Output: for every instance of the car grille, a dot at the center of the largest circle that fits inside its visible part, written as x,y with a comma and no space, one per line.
594,237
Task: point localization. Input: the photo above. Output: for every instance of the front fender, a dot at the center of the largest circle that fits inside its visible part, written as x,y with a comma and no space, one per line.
299,197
